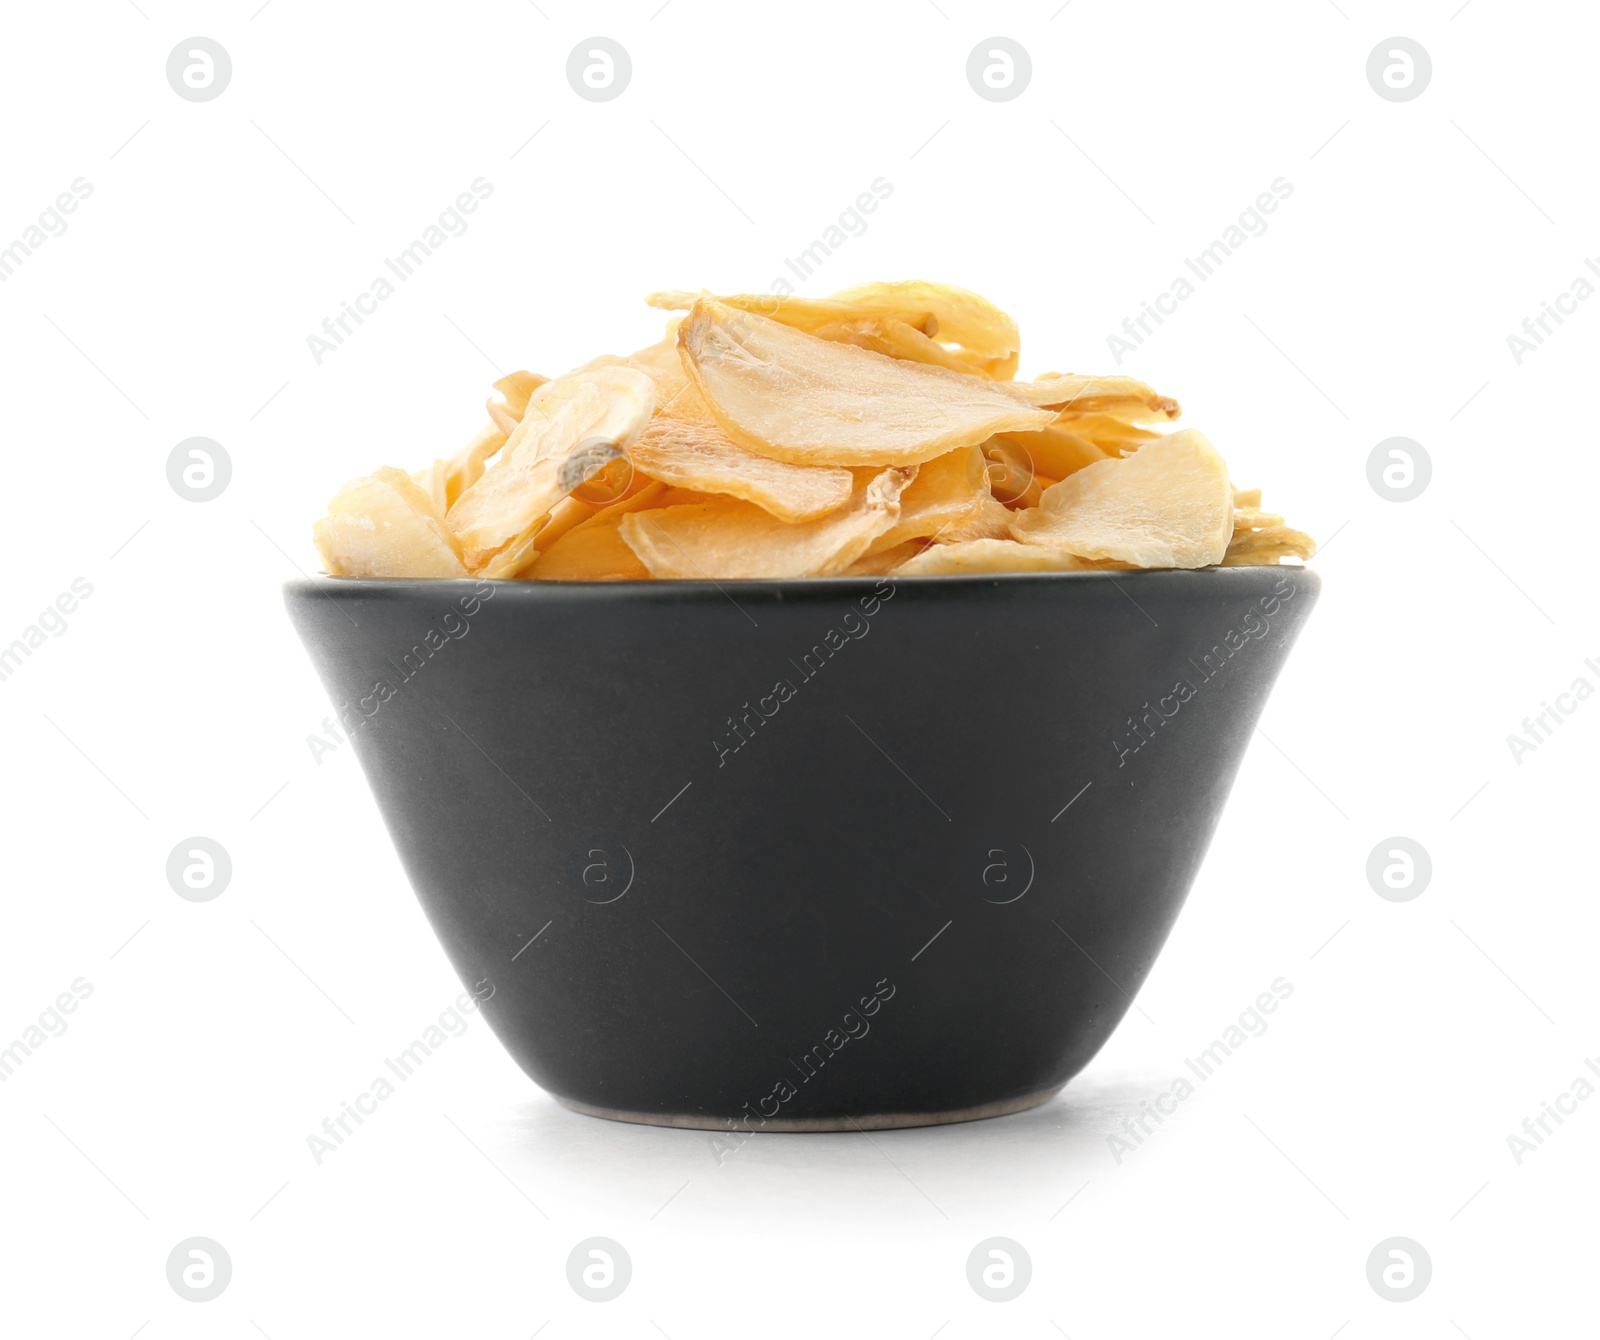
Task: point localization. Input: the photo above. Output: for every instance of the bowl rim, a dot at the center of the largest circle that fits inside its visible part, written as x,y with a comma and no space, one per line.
321,584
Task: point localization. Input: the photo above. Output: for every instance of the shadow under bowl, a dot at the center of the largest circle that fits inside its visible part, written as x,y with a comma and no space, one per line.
803,855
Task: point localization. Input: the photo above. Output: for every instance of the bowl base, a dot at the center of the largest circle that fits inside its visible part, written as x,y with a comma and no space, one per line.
874,1121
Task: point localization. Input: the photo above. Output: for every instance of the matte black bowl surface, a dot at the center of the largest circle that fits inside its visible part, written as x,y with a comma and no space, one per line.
804,855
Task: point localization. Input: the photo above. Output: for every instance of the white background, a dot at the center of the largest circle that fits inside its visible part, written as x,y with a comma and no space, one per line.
177,702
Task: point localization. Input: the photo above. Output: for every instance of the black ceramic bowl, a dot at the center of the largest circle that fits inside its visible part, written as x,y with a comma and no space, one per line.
804,855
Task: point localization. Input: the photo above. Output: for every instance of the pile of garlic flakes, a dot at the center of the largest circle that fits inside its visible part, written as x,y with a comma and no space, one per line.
878,431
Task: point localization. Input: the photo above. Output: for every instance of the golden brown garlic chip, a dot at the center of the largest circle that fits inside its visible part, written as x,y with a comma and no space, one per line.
605,407
794,397
1120,397
435,482
887,335
1112,435
466,467
385,526
900,320
1054,451
1169,505
516,556
728,538
701,456
986,338
1266,546
948,501
1013,474
514,389
676,394
812,315
593,550
591,553
567,514
880,563
1253,518
976,556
